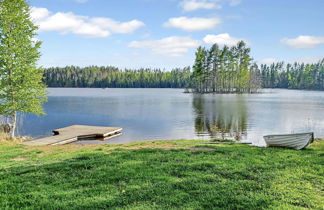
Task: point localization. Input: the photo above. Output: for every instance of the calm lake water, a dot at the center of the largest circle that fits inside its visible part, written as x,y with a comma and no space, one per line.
150,114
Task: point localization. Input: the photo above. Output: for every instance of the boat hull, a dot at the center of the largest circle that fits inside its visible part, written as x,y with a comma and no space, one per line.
294,141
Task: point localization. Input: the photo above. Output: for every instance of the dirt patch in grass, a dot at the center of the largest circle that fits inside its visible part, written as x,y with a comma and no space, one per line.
74,148
201,149
63,148
152,146
20,158
163,145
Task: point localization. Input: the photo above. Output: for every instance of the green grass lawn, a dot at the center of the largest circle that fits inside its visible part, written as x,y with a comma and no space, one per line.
161,175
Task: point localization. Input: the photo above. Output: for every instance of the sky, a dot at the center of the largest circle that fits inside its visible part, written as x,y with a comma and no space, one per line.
166,33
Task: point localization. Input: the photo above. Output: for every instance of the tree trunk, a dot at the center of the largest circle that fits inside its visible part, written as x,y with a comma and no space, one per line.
13,125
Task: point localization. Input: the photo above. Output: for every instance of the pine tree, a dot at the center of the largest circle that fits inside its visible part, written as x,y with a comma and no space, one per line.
198,69
21,87
214,51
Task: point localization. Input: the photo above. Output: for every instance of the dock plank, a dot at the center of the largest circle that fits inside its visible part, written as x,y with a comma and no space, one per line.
74,133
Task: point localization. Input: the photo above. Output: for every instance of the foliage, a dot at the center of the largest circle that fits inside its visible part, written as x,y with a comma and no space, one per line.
225,70
111,77
161,175
213,79
293,76
21,87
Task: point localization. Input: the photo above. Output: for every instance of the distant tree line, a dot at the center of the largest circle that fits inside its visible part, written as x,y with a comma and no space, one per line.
293,76
222,73
111,77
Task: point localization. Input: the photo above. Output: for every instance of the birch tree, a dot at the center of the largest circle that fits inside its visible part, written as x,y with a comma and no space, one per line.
21,86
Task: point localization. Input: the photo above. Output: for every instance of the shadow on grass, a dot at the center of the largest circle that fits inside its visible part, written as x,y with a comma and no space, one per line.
230,177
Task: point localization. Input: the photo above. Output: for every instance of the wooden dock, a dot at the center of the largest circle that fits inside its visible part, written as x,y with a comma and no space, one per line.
75,133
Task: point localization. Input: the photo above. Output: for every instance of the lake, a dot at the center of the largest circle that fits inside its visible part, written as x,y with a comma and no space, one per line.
159,114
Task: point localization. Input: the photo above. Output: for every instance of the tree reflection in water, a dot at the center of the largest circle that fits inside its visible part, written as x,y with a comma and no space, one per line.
220,117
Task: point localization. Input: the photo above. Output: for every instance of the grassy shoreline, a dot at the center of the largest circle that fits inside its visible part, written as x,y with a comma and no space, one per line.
161,175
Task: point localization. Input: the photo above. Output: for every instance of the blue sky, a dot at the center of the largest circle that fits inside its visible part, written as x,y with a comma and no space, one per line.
165,33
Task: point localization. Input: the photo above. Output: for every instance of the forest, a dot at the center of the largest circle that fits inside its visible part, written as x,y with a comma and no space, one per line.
218,69
112,77
293,76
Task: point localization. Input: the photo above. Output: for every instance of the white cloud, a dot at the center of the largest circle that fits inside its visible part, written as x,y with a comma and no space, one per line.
222,39
35,40
193,24
117,27
38,14
234,3
304,41
173,46
81,25
80,1
192,5
310,59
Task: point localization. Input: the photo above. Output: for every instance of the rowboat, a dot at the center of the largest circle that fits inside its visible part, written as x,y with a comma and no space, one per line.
295,141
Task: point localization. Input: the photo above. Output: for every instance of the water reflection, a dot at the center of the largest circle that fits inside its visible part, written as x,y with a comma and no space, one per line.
220,116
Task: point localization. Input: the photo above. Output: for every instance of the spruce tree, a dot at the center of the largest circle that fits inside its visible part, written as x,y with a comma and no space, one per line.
21,86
